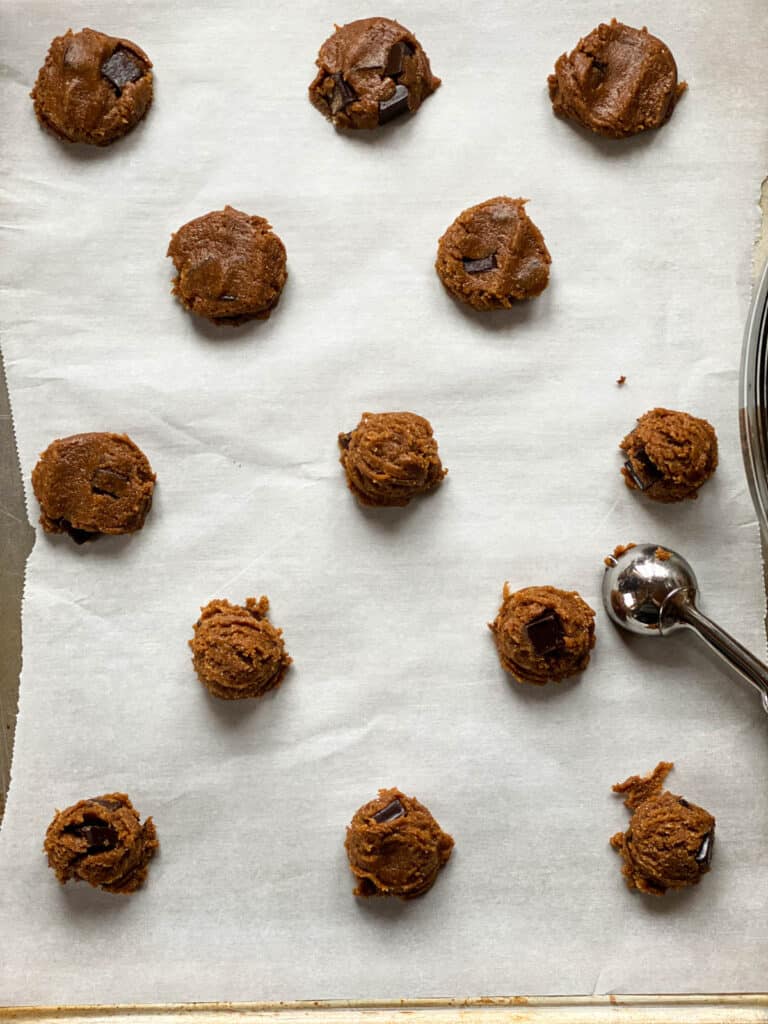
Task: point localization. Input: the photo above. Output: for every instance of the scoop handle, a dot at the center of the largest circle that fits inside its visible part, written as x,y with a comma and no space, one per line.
730,650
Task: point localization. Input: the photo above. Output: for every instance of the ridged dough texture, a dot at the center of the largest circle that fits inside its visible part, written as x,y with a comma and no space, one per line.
517,653
101,841
671,454
669,841
236,650
400,855
390,457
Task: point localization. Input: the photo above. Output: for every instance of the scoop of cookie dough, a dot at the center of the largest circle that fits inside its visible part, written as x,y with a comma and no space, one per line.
669,841
101,841
92,88
617,82
90,484
493,255
669,455
395,847
236,651
543,634
370,71
390,457
230,267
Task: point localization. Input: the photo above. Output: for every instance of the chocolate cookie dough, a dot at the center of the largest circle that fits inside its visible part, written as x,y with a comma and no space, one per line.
231,267
390,457
90,484
395,847
370,72
617,82
92,88
236,651
543,634
669,841
669,455
101,841
493,255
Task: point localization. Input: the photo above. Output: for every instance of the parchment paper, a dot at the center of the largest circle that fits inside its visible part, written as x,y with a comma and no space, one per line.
396,680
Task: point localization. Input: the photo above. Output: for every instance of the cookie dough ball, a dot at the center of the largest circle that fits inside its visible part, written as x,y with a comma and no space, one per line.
493,255
231,267
669,841
390,457
395,847
101,841
92,88
669,455
617,82
370,72
543,634
236,651
90,484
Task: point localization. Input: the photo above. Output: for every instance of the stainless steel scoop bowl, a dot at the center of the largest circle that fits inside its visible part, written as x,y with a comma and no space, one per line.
652,591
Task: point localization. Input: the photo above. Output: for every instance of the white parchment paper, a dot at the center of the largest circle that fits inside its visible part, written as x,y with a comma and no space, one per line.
396,680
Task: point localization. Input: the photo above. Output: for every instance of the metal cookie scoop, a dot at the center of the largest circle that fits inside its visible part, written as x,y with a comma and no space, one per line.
652,591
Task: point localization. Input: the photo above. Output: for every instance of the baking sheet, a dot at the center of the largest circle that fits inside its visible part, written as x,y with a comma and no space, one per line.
396,680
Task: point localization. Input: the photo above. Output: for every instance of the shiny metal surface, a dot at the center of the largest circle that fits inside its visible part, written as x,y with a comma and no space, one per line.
753,400
652,591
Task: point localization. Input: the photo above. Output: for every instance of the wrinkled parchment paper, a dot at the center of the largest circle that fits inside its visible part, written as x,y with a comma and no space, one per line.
396,681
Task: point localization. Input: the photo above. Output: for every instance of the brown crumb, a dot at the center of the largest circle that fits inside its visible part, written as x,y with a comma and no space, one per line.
618,551
662,554
621,381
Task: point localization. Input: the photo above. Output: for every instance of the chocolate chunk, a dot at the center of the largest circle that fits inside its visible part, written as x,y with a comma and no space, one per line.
109,482
683,802
343,94
78,536
478,266
397,54
121,68
396,104
98,835
389,813
110,805
704,854
344,440
642,470
546,633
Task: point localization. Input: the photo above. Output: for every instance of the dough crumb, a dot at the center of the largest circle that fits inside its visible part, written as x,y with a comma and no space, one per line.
621,381
662,554
618,551
668,843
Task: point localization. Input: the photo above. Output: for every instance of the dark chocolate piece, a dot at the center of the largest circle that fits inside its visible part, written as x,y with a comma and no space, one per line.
343,94
478,266
389,813
111,805
396,104
78,536
344,439
704,854
121,68
397,54
98,835
546,633
109,482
